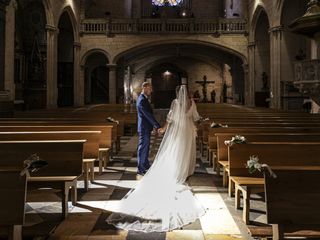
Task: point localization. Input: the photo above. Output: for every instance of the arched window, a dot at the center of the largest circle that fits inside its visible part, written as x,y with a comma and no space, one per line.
166,2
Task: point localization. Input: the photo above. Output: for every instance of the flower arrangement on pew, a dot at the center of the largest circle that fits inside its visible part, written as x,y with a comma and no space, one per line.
32,164
253,165
218,125
110,119
237,139
202,119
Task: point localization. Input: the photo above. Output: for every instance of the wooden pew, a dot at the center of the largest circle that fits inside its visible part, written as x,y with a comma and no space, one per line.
222,149
64,122
224,109
123,113
206,132
272,153
239,114
79,114
64,167
292,203
12,201
212,139
117,129
105,140
90,147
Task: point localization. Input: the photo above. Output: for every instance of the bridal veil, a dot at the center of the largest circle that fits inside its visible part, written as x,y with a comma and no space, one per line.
162,201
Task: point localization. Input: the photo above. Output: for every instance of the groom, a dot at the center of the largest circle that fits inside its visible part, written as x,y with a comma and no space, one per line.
146,122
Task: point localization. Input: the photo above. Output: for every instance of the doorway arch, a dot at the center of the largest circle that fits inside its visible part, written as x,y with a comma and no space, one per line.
96,79
65,76
165,78
262,61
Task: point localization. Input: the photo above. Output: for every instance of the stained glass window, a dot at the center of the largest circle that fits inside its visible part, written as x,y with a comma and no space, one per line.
166,2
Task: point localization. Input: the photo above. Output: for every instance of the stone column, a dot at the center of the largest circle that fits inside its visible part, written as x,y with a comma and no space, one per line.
127,84
9,50
275,66
82,10
112,83
78,86
52,62
250,84
82,83
315,46
3,4
136,9
246,82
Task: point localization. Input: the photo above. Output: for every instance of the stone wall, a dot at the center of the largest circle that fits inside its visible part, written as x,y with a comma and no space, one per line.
195,70
116,8
2,42
121,43
284,48
207,8
234,9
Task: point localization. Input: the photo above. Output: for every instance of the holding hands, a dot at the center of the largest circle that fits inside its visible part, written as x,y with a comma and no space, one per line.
161,131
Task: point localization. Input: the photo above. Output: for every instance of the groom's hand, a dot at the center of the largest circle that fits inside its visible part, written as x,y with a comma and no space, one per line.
154,131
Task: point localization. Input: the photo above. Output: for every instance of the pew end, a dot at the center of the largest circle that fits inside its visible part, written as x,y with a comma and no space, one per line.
64,167
12,202
292,201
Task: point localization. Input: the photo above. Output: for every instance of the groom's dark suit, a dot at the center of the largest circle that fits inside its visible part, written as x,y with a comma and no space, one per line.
146,122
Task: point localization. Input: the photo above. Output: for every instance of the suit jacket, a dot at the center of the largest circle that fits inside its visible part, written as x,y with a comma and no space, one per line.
146,120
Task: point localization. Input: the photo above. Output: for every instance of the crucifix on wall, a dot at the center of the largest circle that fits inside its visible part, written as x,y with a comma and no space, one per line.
204,87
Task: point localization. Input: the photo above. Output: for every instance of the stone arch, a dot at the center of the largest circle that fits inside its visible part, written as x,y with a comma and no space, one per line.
179,41
165,77
31,21
299,10
49,11
294,47
66,80
216,52
92,51
278,13
262,58
159,60
96,76
253,26
73,19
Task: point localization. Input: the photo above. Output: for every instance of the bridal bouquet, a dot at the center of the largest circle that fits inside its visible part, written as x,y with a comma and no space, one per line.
237,139
218,125
254,165
110,119
32,164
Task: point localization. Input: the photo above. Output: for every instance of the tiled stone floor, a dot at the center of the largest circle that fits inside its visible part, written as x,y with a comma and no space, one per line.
87,219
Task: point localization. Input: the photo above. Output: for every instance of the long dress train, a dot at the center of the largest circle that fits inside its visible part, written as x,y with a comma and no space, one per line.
162,201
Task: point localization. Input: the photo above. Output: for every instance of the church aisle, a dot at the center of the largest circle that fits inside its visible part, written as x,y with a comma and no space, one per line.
87,219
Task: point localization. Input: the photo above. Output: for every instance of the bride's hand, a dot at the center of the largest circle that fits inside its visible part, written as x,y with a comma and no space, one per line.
161,131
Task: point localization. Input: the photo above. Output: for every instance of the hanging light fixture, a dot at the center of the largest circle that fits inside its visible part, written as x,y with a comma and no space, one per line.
167,73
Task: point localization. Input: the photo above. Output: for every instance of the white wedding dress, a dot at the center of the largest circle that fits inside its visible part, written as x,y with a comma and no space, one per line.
162,201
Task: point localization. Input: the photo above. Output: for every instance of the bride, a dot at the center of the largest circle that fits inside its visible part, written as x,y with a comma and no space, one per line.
162,201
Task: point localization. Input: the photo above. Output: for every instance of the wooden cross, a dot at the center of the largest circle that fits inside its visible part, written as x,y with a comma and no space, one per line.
204,87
